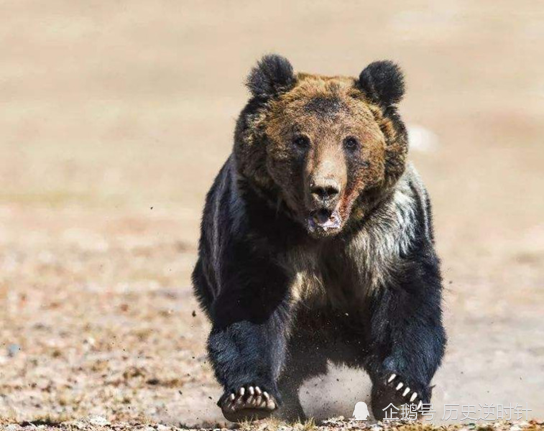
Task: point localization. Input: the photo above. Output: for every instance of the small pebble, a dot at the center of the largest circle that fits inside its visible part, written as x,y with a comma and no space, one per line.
13,350
98,421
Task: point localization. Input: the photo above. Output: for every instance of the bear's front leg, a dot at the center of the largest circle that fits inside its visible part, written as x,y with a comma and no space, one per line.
248,340
408,337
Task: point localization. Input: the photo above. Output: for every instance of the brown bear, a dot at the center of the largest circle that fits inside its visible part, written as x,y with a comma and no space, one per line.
317,244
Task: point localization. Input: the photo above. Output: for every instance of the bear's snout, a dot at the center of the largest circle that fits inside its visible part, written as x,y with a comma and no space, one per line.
325,192
324,189
324,196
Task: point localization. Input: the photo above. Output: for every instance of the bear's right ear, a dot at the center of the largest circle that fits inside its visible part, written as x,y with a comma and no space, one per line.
272,76
382,82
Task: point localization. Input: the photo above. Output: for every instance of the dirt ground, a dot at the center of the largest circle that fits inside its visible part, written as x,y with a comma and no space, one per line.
115,117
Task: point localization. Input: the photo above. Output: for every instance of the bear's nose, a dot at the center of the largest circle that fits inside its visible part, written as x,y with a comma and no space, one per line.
324,190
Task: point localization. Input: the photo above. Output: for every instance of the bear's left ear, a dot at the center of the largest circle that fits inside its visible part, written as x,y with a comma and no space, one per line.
272,75
382,82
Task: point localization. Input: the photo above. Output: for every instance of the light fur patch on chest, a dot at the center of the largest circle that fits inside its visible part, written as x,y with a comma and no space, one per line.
376,250
308,286
368,261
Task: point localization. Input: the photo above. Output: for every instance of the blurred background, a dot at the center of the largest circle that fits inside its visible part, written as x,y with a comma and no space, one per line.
116,116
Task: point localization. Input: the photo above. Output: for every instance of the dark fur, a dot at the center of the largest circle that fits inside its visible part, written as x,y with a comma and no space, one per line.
383,82
263,331
272,75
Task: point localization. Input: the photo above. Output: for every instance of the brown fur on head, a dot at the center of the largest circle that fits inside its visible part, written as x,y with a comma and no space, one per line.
328,147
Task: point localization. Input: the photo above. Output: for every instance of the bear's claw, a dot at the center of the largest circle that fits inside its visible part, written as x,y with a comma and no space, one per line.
392,380
253,403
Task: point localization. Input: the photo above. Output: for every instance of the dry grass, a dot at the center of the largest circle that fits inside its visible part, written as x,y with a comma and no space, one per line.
100,424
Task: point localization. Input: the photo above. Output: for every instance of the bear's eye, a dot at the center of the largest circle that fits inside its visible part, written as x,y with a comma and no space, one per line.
301,141
351,143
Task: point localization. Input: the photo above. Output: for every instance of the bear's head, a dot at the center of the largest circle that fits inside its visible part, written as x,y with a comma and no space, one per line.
326,149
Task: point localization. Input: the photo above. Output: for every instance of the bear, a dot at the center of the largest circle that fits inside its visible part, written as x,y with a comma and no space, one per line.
317,245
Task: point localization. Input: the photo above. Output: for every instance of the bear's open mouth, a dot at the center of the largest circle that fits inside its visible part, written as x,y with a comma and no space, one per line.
324,220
